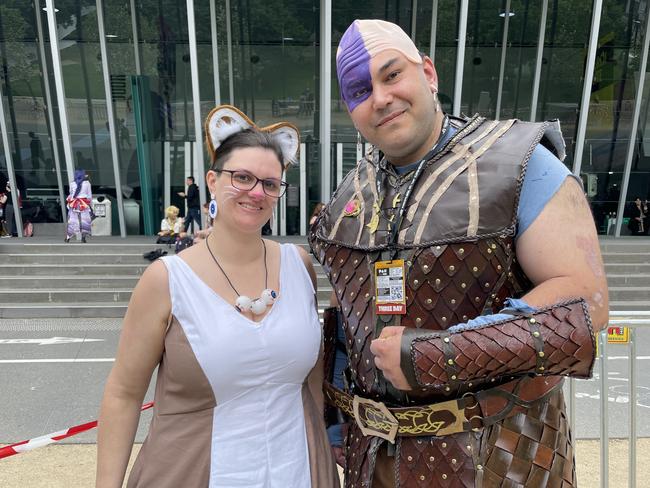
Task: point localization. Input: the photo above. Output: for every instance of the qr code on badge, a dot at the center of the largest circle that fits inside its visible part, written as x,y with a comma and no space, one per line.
396,293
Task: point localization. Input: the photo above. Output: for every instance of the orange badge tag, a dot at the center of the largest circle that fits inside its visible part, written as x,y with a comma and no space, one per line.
389,288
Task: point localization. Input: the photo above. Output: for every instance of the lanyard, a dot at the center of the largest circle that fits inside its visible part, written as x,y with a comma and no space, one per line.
395,225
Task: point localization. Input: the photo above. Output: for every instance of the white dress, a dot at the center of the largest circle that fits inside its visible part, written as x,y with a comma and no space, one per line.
253,424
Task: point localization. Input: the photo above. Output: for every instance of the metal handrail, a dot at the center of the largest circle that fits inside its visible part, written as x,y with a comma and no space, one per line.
633,320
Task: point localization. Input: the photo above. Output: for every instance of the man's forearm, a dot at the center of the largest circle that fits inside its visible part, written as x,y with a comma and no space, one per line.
557,340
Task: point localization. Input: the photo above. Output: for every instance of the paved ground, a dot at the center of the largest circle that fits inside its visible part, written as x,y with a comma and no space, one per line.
53,374
73,466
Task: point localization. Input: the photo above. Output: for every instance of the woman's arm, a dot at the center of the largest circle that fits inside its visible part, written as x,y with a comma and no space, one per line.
139,352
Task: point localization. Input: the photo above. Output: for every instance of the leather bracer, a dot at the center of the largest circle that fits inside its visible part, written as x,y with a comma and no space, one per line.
557,340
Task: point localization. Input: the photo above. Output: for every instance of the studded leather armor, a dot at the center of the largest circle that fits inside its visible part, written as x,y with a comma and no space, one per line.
457,241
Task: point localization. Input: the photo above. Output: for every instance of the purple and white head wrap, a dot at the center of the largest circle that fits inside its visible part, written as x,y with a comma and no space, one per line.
363,40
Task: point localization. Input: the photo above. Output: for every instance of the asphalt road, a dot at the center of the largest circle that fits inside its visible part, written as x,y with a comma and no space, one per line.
52,375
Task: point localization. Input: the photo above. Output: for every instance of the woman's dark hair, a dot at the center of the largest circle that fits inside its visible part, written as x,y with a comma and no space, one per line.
243,139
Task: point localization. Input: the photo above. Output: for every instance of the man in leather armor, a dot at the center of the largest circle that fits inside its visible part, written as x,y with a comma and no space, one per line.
469,282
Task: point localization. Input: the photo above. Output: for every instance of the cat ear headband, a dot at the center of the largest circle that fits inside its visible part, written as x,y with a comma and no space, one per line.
226,120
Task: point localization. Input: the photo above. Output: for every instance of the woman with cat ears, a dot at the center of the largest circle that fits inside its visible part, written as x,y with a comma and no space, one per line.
232,324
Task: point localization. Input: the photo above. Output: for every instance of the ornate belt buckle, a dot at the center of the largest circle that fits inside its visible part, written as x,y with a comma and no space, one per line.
375,419
450,406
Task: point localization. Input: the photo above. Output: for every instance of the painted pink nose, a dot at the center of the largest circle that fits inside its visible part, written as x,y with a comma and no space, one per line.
257,191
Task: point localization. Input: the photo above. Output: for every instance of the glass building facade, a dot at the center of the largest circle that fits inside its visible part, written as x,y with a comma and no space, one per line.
121,88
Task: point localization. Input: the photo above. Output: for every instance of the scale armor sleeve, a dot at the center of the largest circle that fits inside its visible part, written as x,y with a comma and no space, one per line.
557,340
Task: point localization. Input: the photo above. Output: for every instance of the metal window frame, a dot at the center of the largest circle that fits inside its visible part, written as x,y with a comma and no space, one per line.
60,91
115,155
303,189
167,180
414,18
434,30
339,163
638,101
502,65
538,61
231,86
325,97
136,41
460,56
215,53
199,166
50,104
586,89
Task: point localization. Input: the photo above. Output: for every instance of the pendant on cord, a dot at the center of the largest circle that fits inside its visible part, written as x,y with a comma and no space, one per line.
258,305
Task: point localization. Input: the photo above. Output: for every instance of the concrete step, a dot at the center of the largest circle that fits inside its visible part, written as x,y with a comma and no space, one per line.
78,248
627,257
628,280
70,269
81,282
629,293
72,310
114,246
625,244
630,305
627,268
73,259
18,296
62,310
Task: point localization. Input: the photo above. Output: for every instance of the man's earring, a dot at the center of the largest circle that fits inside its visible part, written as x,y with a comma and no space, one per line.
436,102
212,207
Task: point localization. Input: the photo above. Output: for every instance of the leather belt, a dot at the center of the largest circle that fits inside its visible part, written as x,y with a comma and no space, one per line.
439,419
472,411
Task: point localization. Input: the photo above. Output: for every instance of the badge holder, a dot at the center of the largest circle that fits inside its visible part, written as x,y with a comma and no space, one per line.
390,289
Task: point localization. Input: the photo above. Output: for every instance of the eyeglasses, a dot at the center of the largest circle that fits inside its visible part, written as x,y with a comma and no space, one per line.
243,180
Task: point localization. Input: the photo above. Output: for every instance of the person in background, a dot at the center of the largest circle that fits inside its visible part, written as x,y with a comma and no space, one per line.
4,197
171,226
79,203
638,214
314,215
36,150
193,204
199,235
10,198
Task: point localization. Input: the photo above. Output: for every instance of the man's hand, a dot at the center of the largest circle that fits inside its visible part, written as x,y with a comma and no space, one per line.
181,194
387,350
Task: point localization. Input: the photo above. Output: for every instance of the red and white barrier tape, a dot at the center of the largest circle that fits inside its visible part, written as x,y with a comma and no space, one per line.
44,440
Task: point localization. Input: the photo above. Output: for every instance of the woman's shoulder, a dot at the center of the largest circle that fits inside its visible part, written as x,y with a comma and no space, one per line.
305,257
154,282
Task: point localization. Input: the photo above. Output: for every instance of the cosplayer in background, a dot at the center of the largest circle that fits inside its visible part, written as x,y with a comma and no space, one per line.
79,203
232,325
171,226
469,280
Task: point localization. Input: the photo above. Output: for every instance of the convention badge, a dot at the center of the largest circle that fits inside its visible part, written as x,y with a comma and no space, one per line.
390,291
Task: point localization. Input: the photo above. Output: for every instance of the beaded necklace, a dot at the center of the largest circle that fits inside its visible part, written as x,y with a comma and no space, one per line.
246,304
